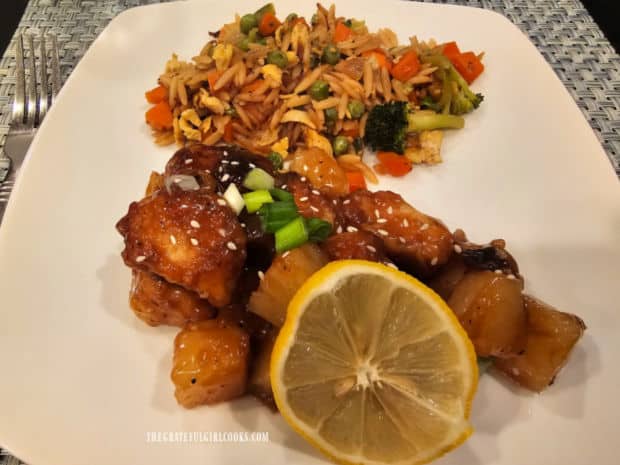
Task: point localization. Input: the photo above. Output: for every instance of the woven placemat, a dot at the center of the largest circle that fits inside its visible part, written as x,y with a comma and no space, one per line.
563,31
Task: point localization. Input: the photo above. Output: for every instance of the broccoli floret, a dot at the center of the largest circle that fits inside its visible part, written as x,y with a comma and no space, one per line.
430,104
457,98
388,125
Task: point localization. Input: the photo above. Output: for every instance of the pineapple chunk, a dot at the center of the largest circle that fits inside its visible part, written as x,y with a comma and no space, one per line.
259,383
490,308
210,363
285,275
551,335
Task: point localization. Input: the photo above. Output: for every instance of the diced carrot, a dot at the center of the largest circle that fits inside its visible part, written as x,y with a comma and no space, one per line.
268,24
228,132
407,67
160,116
342,32
469,66
156,95
382,60
252,86
394,164
356,180
353,132
380,169
212,78
451,50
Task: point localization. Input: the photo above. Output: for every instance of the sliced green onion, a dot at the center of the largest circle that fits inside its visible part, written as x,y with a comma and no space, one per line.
276,215
258,179
292,235
281,194
276,159
255,200
234,198
318,229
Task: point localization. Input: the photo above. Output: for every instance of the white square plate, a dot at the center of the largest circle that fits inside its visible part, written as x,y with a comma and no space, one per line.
83,381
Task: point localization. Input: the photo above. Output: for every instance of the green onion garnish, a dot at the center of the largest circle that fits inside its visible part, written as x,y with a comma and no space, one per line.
292,235
276,215
258,179
276,159
318,230
255,200
281,194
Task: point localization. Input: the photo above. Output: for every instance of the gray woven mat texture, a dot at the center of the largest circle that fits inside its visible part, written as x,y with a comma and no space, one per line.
563,31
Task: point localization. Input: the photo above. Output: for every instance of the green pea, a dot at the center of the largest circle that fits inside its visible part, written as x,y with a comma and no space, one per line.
278,58
340,145
291,17
244,44
314,60
356,109
331,114
268,8
231,111
319,90
254,36
331,55
248,22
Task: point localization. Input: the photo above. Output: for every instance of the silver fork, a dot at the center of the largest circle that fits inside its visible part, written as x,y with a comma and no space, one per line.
33,97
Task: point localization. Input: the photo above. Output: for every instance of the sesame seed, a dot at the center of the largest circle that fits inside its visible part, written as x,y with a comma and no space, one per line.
457,248
335,202
371,248
346,202
314,209
261,275
305,167
405,223
251,165
383,232
234,162
188,161
303,179
381,220
183,206
401,239
226,177
173,239
283,187
303,199
315,192
498,271
285,254
225,153
391,265
242,225
390,210
351,229
225,162
194,224
194,241
231,245
339,230
221,202
434,261
511,276
140,258
377,213
221,232
424,227
220,169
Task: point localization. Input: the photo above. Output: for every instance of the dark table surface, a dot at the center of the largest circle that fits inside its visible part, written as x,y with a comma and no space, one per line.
605,13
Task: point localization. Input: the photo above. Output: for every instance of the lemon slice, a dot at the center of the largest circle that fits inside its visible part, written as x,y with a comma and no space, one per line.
372,367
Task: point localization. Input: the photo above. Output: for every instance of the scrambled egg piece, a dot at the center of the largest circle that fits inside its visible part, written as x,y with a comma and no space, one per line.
281,147
272,72
189,122
297,116
222,54
427,149
314,139
203,100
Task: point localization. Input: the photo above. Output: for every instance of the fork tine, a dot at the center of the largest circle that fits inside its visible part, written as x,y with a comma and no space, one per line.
31,104
44,95
20,86
55,68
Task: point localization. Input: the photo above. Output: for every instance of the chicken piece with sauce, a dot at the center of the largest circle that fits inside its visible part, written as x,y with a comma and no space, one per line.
412,239
157,302
190,238
358,245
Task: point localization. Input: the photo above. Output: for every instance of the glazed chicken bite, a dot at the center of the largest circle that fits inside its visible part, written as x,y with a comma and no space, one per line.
190,238
157,302
359,245
311,203
411,238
